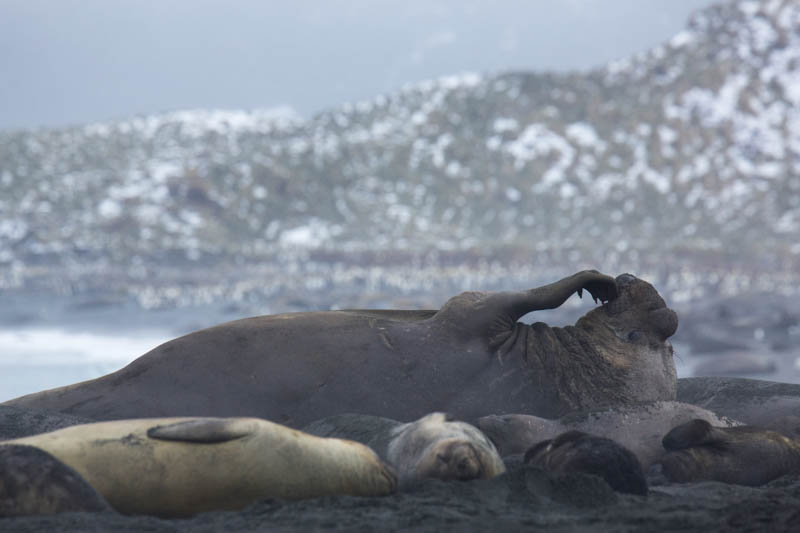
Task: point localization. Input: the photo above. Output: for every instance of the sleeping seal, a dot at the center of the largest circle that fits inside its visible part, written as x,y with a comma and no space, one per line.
470,358
576,451
435,446
743,455
638,428
766,404
33,482
182,466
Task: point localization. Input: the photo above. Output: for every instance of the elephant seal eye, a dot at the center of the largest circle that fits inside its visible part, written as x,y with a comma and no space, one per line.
634,335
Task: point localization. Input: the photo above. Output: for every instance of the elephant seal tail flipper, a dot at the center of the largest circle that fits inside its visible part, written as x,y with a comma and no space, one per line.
204,430
696,432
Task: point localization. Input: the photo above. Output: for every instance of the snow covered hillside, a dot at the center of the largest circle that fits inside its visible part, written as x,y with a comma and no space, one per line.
682,160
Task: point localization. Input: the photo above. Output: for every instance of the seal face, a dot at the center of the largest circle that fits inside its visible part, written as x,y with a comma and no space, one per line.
435,446
471,358
576,451
744,455
182,466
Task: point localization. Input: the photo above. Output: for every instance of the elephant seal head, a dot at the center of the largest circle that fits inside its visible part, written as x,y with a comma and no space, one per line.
436,446
616,354
743,455
631,332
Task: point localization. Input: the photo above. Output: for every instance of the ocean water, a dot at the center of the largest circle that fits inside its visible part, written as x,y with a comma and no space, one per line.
39,358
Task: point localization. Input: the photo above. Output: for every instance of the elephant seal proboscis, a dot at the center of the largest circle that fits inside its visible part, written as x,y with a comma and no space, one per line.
576,451
744,455
470,358
638,428
182,466
33,482
435,446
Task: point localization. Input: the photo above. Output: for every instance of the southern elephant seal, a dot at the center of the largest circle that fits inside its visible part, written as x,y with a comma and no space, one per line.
766,404
744,455
576,451
638,428
435,446
33,482
172,467
470,358
16,422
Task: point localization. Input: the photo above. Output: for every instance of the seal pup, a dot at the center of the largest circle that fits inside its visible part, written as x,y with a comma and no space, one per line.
33,482
435,446
182,466
744,455
638,428
576,451
470,358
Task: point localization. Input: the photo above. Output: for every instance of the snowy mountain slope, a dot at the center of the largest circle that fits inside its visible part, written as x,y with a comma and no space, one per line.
690,151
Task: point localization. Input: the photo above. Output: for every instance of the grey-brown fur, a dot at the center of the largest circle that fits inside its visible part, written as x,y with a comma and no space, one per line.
766,404
470,358
744,455
576,451
638,428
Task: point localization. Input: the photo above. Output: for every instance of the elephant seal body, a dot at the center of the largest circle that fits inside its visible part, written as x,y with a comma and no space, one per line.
16,422
576,451
470,358
33,482
766,404
182,466
638,428
435,446
743,455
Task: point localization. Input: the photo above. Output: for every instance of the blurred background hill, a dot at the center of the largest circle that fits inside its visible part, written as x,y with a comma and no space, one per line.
680,164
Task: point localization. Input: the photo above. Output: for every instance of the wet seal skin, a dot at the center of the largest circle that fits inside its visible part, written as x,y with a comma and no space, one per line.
177,467
579,452
743,455
435,446
470,358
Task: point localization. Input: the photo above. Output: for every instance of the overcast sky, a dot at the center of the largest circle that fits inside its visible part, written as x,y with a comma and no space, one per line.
75,61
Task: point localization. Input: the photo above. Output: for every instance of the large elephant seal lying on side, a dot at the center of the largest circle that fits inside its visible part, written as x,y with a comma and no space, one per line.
576,451
33,482
182,466
435,446
470,358
638,428
743,455
766,404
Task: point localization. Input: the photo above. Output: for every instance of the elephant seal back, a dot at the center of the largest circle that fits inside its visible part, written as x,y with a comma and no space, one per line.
766,404
182,466
638,428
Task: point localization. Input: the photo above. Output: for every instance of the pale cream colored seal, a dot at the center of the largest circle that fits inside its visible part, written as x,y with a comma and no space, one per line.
181,466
